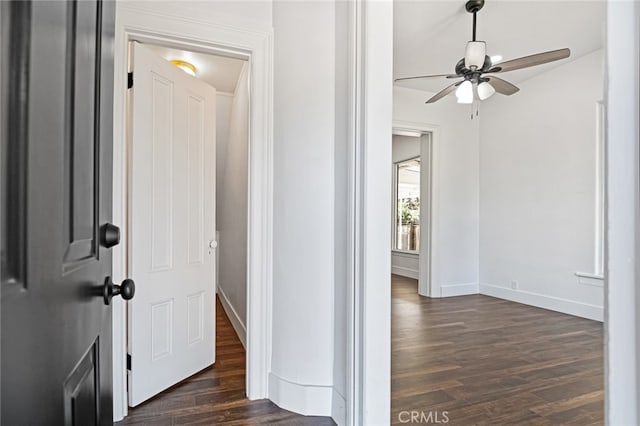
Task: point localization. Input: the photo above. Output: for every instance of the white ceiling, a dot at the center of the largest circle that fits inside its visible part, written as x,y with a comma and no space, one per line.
430,36
217,71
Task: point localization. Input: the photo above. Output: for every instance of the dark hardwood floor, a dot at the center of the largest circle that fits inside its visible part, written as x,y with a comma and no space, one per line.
483,361
216,395
488,361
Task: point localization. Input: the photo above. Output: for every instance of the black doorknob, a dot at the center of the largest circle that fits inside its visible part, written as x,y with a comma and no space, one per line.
109,235
127,290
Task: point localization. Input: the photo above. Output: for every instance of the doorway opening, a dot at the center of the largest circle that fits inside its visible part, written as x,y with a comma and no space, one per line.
518,239
181,198
411,206
254,49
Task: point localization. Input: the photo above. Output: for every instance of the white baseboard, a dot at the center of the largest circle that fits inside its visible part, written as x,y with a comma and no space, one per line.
450,290
552,303
338,408
309,400
236,322
405,272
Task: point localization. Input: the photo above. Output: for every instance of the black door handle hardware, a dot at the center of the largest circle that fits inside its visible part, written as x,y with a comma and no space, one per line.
109,235
127,290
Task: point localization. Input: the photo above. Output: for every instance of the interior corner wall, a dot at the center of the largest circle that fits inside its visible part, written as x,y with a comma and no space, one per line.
455,224
301,376
231,203
537,180
223,121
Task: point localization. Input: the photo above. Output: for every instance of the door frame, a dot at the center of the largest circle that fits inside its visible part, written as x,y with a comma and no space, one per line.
370,370
429,192
368,396
622,213
183,32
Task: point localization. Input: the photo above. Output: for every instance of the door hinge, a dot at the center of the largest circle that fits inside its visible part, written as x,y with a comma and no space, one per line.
129,80
128,362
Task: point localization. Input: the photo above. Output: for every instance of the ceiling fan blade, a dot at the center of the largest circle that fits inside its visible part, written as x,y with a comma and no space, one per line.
531,60
444,92
502,86
428,76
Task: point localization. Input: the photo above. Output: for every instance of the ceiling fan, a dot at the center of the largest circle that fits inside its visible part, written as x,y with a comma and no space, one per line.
477,70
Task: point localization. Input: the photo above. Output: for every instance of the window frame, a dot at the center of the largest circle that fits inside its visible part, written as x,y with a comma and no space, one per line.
394,204
600,190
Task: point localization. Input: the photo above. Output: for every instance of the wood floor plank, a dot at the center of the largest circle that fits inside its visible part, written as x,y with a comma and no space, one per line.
487,361
216,395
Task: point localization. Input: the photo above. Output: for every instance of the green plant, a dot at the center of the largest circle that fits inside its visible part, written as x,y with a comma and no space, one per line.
410,210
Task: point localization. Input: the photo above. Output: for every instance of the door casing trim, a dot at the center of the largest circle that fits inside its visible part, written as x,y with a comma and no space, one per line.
429,194
141,24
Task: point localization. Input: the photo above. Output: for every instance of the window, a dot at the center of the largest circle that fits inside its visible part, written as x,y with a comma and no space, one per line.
407,206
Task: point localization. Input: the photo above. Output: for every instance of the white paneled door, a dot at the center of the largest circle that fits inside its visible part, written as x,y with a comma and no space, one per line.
171,320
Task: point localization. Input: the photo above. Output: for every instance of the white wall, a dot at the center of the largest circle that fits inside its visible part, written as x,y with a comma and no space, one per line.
404,147
405,264
249,14
455,224
537,189
303,250
231,202
223,121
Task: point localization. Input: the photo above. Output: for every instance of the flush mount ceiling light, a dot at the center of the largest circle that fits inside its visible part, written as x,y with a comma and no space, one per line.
478,70
185,66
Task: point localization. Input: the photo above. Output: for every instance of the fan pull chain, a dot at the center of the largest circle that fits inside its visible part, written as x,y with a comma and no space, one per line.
477,107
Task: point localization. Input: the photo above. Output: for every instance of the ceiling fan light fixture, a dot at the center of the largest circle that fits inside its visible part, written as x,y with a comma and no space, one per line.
475,64
485,90
464,92
474,54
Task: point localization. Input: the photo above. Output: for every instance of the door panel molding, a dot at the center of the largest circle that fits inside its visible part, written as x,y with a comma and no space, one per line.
83,380
16,38
162,174
196,179
82,123
428,281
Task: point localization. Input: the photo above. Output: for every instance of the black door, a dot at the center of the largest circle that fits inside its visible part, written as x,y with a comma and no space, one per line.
57,101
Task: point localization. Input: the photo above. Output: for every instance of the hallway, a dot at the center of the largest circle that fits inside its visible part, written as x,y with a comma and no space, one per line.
487,361
216,395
